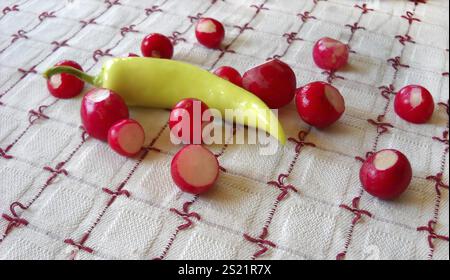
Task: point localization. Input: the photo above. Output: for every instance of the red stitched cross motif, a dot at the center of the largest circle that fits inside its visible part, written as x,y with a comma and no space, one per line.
365,9
382,127
396,63
444,139
386,91
38,114
152,9
291,37
59,44
405,39
128,29
331,76
14,8
282,186
243,28
115,194
300,141
14,220
439,183
99,53
306,16
176,38
84,23
195,18
432,235
55,172
355,209
355,27
410,17
45,15
262,243
259,8
417,2
21,34
111,3
186,215
80,245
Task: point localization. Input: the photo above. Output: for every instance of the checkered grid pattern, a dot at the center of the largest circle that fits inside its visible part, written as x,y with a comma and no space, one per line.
65,196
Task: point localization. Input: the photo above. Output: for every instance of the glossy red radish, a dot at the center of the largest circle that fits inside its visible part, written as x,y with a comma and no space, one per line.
319,104
386,174
100,110
229,74
330,54
209,32
157,46
126,137
414,104
187,120
64,85
274,82
195,169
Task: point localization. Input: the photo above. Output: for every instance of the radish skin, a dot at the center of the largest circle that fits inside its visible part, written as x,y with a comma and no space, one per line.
195,169
100,110
386,174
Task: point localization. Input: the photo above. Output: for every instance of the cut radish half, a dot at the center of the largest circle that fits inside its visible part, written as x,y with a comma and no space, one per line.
126,137
195,169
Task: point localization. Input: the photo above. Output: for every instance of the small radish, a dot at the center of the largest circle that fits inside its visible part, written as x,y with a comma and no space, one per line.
330,54
414,104
100,110
273,82
229,74
126,137
157,45
195,169
186,120
210,32
386,174
64,85
319,104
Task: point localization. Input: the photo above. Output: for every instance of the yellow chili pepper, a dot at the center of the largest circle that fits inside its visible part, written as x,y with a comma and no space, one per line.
161,83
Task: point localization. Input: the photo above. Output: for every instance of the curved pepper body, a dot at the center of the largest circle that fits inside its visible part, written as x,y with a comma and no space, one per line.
161,83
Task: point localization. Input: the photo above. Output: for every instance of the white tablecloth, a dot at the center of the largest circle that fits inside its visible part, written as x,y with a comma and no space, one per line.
63,196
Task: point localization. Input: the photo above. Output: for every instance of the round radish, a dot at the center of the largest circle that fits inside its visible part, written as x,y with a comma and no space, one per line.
186,120
386,174
101,109
126,137
414,104
319,104
273,82
229,74
330,54
209,33
195,169
158,46
65,85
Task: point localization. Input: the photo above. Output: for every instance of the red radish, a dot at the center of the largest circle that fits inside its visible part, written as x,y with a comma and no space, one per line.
319,104
126,137
229,74
157,45
195,169
210,32
386,174
65,85
273,82
100,110
414,104
195,110
330,54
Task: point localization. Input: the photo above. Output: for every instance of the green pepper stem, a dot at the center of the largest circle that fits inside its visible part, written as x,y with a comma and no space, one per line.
72,71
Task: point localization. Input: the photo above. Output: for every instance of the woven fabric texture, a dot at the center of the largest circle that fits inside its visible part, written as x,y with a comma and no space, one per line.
64,195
